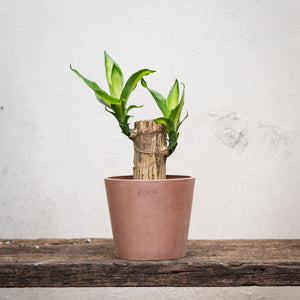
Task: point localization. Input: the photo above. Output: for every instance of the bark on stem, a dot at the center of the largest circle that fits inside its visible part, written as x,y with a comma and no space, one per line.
150,150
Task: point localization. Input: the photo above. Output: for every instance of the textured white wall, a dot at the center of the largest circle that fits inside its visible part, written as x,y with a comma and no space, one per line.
240,61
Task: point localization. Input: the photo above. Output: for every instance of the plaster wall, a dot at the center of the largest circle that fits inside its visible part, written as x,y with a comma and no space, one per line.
240,61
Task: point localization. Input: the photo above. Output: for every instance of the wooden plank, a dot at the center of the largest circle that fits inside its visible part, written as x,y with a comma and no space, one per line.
77,263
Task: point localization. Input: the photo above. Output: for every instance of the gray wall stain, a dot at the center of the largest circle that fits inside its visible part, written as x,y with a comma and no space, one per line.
238,130
230,129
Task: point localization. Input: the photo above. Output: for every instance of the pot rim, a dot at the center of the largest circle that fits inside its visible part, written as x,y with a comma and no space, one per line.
130,178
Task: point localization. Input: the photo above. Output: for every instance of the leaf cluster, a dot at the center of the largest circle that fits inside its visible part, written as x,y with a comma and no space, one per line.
171,109
116,101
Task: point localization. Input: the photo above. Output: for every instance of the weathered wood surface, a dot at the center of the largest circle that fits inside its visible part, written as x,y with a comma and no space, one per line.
76,263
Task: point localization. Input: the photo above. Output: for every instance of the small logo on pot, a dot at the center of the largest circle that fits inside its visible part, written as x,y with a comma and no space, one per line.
146,193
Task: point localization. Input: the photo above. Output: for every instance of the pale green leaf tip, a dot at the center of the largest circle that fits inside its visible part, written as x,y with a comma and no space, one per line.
150,71
106,55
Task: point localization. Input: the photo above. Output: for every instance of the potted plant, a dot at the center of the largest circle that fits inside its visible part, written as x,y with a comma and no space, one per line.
149,210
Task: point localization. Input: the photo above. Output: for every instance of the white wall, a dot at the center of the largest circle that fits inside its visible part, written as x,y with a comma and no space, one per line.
240,61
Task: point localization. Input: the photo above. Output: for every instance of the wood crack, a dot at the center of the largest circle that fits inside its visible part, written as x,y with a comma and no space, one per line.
75,263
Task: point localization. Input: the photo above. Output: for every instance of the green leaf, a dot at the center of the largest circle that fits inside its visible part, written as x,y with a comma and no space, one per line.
132,82
117,82
101,100
114,76
159,99
109,63
173,96
187,114
101,93
132,106
166,122
125,128
127,118
117,108
173,137
111,112
176,112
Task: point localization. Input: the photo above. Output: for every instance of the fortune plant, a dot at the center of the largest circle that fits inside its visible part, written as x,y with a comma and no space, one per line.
116,103
171,111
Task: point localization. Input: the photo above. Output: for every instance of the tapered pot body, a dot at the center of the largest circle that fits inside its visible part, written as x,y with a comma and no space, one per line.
150,218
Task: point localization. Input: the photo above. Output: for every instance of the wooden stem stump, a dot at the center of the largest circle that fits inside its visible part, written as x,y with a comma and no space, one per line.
150,150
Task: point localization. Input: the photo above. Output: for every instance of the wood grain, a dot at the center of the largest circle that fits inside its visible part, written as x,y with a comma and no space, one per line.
77,263
150,150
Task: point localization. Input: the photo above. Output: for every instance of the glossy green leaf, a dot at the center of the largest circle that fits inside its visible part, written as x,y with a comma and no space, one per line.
111,112
132,83
176,112
101,93
166,122
159,99
133,106
117,82
173,96
117,108
173,137
101,100
114,76
109,63
187,114
125,128
127,118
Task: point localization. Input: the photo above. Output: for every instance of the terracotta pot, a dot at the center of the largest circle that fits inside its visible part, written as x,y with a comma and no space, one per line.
150,218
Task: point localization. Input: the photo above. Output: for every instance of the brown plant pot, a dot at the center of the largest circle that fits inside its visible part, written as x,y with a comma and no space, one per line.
150,218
